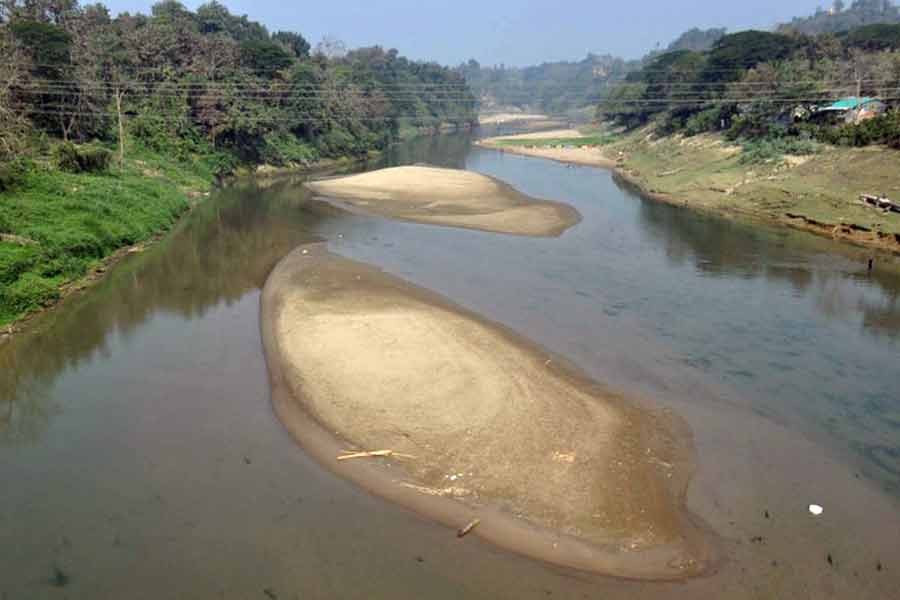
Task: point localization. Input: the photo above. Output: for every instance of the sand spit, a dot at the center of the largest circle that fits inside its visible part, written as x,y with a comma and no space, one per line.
553,465
587,156
448,197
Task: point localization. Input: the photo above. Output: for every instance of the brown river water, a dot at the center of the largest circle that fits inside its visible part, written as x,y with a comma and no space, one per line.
140,456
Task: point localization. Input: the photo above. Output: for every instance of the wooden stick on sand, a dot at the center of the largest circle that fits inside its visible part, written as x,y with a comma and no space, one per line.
468,528
373,454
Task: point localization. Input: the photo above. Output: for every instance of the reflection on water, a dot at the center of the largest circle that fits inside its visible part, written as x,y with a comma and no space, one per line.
223,249
134,423
841,285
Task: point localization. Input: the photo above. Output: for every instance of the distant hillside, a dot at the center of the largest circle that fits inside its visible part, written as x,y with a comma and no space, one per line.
697,40
840,18
552,88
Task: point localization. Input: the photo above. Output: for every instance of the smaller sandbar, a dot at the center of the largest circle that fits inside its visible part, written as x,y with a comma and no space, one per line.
488,425
510,117
589,156
450,197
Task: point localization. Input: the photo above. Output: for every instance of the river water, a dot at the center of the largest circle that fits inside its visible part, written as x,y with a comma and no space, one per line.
140,458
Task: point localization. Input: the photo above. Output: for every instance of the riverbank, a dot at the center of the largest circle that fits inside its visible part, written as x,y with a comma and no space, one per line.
546,459
69,227
818,193
450,197
62,232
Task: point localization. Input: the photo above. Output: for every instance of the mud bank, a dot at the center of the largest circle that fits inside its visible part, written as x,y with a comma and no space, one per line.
448,197
491,426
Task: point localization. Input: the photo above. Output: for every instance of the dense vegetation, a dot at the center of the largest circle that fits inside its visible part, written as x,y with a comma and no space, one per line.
843,18
757,85
106,122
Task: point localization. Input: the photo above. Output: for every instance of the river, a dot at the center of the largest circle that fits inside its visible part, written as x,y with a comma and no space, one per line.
140,457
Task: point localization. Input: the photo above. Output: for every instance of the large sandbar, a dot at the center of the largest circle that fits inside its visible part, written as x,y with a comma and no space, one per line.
554,465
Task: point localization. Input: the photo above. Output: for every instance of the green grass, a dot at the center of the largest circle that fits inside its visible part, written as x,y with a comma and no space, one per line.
589,140
76,220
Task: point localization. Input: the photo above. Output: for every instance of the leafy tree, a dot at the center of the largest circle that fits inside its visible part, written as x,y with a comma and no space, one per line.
264,56
295,42
880,36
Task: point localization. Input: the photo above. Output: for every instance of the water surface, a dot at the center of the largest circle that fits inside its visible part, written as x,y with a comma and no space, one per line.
141,459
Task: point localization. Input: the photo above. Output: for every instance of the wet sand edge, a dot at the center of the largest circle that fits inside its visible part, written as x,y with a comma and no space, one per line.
567,214
697,548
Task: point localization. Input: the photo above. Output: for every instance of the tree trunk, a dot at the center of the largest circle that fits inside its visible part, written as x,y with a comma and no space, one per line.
119,95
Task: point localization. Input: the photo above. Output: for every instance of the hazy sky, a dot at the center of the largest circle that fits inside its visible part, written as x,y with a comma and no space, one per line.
505,31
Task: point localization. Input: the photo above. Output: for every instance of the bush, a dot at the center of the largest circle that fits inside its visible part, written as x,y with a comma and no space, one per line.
28,292
219,164
16,259
283,149
883,129
82,159
707,120
336,142
11,174
768,149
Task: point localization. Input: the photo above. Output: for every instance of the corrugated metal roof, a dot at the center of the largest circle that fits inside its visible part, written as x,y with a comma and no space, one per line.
850,103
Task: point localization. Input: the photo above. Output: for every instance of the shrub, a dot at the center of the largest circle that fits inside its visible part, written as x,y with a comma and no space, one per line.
82,159
768,149
883,129
11,173
16,259
707,120
27,292
284,148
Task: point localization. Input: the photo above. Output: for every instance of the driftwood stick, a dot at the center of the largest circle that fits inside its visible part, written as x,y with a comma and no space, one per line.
373,454
468,528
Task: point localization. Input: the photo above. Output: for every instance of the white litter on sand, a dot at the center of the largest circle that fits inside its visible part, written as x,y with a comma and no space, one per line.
816,510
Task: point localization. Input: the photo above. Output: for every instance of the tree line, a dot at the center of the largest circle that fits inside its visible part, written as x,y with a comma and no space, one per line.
843,17
757,84
179,82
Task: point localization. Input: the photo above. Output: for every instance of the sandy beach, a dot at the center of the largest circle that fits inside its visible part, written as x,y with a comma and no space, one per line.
448,197
488,425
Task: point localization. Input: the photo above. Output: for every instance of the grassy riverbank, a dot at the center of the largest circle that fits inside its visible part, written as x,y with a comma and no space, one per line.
59,227
818,192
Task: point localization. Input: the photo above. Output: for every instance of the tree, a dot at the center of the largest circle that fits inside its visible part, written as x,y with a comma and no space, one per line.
331,48
264,57
294,42
13,127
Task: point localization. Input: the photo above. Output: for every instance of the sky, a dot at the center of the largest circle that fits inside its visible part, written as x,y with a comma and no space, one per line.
510,32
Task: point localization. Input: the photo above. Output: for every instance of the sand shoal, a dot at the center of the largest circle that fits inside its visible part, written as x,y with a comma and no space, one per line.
555,466
586,156
448,197
509,117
